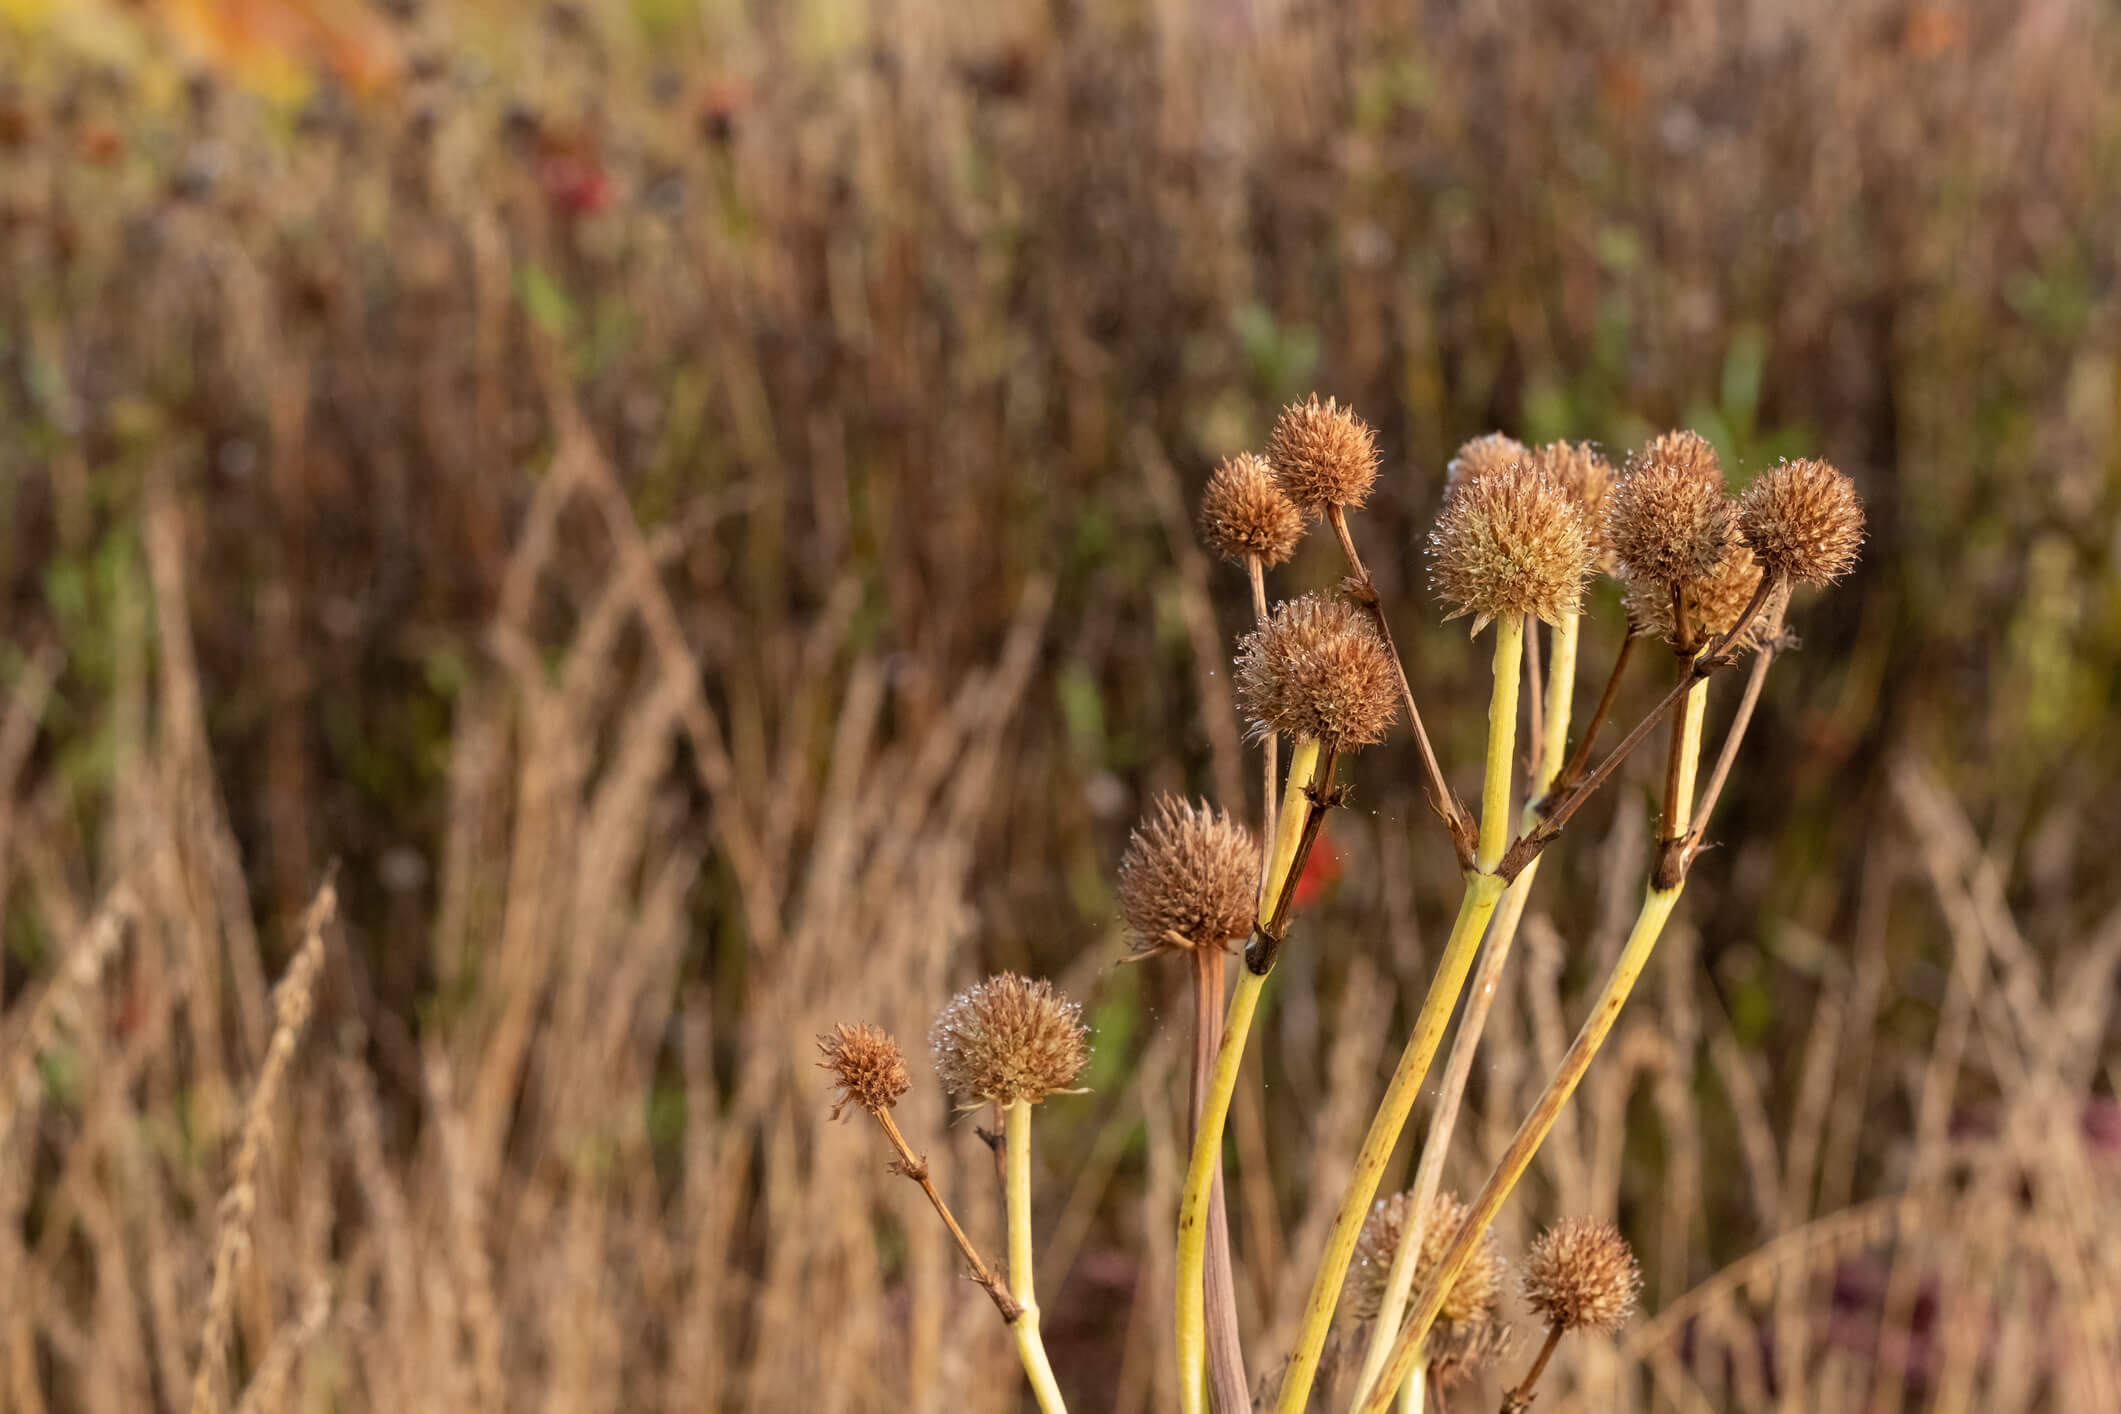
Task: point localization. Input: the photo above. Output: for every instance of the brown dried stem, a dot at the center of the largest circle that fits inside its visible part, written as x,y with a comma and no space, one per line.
1455,816
1581,756
1520,1399
1734,735
917,1170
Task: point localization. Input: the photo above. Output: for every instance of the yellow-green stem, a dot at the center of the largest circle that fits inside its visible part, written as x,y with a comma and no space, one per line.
1688,760
1206,1160
1649,924
1480,996
1030,1348
1411,1393
1483,890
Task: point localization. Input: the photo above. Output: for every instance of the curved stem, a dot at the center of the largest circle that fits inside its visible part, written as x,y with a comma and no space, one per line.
1483,889
1016,1129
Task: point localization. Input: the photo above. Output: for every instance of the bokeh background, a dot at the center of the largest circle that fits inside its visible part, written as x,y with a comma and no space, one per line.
689,505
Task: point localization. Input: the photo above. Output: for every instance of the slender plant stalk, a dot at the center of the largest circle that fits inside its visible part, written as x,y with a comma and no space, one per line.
1573,772
1295,829
1410,1393
1734,735
1520,1399
1483,889
916,1169
1269,744
1480,998
1016,1128
1226,1361
1657,904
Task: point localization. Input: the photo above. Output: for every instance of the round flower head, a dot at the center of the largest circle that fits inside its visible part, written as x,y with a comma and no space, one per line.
1510,542
1581,1275
1188,879
1491,451
1472,1293
1243,513
1670,521
1009,1039
866,1067
1803,520
1586,478
1323,455
1713,604
1318,669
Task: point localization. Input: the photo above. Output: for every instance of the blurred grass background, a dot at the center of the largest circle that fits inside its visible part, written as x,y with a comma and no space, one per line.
898,338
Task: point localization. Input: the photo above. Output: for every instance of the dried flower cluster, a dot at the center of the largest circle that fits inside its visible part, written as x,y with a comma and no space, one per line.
1510,541
1586,478
1009,1039
1803,519
866,1067
1670,520
1323,455
1245,514
1188,879
1581,1275
1471,1296
1317,669
1713,604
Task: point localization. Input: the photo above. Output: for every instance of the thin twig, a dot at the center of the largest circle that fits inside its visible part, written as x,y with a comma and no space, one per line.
1535,722
1771,643
1581,757
1455,816
917,1170
1520,1399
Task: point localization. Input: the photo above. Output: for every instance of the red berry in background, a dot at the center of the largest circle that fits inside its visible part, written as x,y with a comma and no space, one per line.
1321,868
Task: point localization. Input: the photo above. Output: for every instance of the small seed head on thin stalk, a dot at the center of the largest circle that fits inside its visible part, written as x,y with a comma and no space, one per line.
1713,605
866,1066
1318,669
1581,1275
1457,1350
1803,520
1586,478
1243,513
1670,521
1491,451
1510,542
1323,455
1008,1039
1187,879
1473,1291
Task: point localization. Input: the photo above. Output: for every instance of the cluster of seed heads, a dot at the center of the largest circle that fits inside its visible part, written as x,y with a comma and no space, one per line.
1188,878
1317,669
1009,1039
1586,478
1713,604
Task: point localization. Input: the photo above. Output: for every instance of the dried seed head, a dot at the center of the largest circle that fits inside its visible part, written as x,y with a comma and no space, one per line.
1318,669
1491,451
1472,1293
1586,478
1509,542
866,1067
1323,455
1244,513
1009,1039
1713,604
1670,520
1188,879
1803,519
1581,1275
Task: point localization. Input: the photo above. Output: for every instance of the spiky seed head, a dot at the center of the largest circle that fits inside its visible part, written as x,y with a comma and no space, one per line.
1188,879
1317,668
1491,451
1586,478
1473,1291
1713,604
1581,1275
1803,519
866,1066
1670,520
1323,455
1008,1039
1510,542
1244,513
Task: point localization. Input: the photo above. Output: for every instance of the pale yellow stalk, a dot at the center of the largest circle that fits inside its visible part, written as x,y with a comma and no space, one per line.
1030,1348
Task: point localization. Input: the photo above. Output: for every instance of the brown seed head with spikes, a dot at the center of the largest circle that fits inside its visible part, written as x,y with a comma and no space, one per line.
1491,451
1803,519
1188,879
1318,669
1670,521
1581,1275
1586,478
1244,513
1008,1039
1473,1292
1510,542
1713,605
1323,455
866,1067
